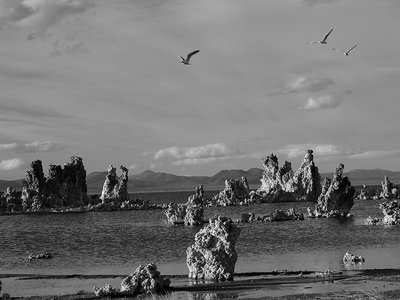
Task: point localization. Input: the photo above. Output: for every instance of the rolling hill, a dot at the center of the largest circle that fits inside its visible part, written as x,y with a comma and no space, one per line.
158,181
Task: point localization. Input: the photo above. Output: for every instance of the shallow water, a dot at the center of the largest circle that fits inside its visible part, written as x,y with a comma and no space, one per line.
117,242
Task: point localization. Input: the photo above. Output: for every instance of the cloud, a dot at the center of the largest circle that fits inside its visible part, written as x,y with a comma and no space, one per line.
32,147
11,164
313,2
198,161
197,155
323,102
133,167
205,151
375,154
305,84
40,15
60,48
322,150
310,85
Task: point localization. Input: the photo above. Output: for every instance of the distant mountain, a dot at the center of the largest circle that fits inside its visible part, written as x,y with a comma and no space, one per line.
158,181
15,184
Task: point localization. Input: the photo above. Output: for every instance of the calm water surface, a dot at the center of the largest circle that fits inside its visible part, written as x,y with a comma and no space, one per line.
117,242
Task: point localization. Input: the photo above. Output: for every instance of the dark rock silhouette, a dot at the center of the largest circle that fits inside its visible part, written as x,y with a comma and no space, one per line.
336,198
64,187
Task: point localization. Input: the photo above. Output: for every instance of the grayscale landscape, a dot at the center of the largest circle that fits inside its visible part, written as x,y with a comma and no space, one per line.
204,150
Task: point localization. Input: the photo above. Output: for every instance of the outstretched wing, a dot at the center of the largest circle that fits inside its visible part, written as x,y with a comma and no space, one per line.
315,42
191,54
326,36
338,50
182,59
348,51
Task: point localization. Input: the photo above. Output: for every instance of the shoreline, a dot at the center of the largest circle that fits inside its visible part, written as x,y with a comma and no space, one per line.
269,285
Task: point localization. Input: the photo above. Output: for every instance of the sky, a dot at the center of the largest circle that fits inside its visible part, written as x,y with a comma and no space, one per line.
102,80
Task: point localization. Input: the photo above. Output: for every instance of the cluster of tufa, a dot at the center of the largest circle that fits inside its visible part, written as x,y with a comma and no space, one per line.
65,186
115,189
391,212
191,213
350,258
281,184
213,255
145,280
236,191
336,198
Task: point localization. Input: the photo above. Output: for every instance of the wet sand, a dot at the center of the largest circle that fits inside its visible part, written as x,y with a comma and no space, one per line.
360,284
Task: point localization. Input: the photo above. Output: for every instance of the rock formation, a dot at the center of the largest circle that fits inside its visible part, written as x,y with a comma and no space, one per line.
389,191
349,258
145,280
282,185
391,211
64,187
236,192
45,255
115,189
191,213
213,255
74,181
175,213
336,198
364,194
195,208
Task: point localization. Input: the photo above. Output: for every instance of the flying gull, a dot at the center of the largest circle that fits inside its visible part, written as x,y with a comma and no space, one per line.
186,60
346,52
323,41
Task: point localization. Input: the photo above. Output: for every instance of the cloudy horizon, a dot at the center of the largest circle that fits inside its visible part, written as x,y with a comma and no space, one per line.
102,80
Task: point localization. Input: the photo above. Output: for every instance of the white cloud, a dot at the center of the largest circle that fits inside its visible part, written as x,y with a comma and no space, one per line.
313,2
298,150
32,147
310,85
205,151
375,154
11,164
321,102
133,167
40,15
198,161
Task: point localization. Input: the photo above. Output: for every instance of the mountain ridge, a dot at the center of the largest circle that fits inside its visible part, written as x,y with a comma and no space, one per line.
159,181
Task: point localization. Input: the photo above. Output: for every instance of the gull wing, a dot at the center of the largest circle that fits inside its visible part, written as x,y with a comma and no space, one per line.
181,57
348,51
326,36
191,54
314,42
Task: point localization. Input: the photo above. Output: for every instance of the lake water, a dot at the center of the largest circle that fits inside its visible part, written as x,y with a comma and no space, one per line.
117,242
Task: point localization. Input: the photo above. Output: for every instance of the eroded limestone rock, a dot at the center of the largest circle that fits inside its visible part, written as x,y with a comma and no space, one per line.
389,190
195,208
236,191
145,280
336,198
213,255
175,213
350,258
284,185
115,189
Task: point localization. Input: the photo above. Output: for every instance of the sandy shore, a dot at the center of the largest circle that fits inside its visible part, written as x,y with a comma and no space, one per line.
362,284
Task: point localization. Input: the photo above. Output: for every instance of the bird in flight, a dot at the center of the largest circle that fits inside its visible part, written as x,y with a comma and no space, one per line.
323,41
186,60
345,52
